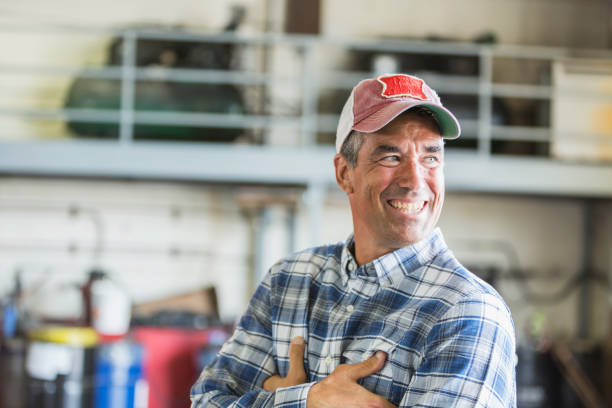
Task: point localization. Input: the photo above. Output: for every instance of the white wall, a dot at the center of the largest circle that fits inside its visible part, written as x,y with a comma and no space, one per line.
208,14
566,23
143,227
144,222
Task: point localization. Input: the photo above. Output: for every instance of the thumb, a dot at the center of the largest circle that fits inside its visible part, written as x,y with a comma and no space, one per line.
365,368
296,359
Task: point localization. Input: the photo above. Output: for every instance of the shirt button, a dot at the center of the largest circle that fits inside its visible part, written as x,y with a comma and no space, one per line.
351,266
328,360
350,308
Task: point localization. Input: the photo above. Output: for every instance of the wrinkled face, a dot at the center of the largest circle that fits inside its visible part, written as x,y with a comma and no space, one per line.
396,190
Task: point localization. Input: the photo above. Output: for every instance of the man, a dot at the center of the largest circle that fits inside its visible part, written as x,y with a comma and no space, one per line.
389,317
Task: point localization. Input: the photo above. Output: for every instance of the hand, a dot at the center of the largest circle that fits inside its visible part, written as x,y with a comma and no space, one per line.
340,388
296,374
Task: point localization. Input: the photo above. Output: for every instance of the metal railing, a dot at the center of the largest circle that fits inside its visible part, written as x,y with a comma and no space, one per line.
314,77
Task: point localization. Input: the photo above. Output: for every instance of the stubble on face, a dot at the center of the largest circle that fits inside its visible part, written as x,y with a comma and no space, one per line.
398,187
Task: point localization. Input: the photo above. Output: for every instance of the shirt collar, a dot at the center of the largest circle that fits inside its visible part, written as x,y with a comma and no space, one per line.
393,266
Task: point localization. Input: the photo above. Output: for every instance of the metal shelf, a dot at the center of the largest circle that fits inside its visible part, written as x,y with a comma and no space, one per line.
308,164
305,166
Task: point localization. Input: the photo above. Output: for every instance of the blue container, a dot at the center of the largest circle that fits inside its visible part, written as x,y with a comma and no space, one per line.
119,375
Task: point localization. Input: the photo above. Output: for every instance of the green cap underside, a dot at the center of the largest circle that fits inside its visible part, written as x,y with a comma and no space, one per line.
448,126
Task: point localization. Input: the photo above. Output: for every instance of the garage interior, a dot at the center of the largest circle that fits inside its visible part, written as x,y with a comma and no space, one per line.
168,154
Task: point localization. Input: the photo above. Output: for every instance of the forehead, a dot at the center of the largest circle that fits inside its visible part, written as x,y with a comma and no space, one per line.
408,127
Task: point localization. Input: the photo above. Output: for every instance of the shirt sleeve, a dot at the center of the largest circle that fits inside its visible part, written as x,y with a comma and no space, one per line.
246,360
469,358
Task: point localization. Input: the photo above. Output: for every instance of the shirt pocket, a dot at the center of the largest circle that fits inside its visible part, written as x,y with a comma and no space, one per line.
380,382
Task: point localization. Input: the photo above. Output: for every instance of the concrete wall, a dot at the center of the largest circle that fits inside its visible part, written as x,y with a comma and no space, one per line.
160,239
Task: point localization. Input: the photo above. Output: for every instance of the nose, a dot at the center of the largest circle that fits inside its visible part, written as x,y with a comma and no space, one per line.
411,175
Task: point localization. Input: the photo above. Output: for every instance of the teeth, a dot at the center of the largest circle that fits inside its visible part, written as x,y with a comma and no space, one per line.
407,207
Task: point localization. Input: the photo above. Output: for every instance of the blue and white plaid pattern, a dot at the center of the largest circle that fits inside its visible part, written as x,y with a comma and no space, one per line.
448,335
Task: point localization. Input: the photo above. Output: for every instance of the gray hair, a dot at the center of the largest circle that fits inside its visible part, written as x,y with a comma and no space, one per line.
352,144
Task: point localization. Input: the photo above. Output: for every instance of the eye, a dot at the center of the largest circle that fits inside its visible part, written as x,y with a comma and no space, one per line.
391,160
431,161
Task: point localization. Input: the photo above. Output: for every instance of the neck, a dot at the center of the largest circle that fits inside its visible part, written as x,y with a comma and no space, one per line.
365,254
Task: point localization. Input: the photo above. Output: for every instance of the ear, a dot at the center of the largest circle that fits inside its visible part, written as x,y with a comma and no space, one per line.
344,174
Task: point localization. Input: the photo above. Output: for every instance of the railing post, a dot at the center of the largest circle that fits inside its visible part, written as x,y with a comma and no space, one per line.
128,74
309,96
485,102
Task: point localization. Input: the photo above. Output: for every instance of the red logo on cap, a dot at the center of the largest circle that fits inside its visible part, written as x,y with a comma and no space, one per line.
402,85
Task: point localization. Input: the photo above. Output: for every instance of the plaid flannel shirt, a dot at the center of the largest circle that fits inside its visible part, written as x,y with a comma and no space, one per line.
448,335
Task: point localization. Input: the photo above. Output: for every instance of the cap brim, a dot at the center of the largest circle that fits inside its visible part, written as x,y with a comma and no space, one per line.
449,125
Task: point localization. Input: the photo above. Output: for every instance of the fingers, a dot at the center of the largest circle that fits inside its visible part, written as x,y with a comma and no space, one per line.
272,383
365,368
296,374
296,359
340,388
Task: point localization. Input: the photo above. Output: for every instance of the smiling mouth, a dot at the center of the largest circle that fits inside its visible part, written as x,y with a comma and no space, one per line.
407,208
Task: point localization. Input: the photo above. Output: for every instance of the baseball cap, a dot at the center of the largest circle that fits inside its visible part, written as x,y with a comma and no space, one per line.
375,102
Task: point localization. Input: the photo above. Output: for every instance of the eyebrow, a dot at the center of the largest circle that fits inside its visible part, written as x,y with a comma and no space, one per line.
385,149
435,148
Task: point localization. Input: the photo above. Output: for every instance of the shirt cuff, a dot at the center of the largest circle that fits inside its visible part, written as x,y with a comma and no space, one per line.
292,397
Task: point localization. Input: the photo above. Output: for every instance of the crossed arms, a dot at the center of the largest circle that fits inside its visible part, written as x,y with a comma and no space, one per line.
468,360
